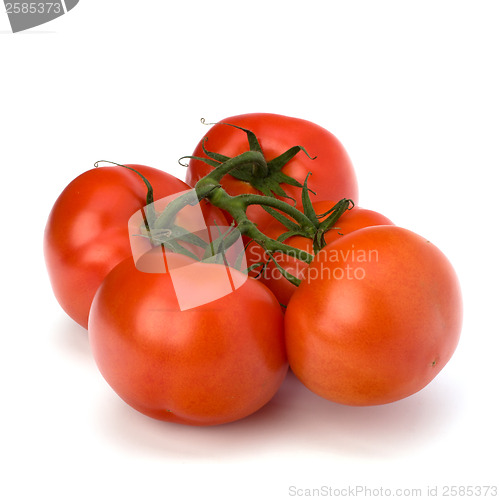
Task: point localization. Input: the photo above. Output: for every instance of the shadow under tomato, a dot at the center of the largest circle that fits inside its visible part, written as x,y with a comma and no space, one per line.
390,430
296,420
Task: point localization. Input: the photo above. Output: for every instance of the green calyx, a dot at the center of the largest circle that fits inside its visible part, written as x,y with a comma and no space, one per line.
316,229
265,176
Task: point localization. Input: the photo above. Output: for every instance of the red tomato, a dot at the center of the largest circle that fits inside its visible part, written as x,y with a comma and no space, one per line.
215,362
333,177
87,230
376,319
350,221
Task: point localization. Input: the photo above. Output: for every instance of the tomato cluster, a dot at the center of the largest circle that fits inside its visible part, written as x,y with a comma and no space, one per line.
186,336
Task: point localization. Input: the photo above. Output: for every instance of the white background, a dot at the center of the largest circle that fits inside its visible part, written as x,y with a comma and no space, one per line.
410,88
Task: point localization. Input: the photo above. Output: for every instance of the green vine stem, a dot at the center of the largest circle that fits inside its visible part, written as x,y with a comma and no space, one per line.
209,188
161,228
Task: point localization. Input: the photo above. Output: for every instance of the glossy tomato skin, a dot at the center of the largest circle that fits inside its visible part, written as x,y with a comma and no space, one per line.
333,176
283,289
377,318
87,230
207,365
